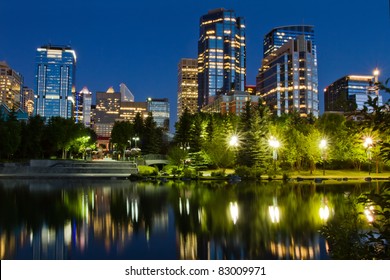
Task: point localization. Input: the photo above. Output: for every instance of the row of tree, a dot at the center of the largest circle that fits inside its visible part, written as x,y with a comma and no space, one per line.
38,138
205,139
209,135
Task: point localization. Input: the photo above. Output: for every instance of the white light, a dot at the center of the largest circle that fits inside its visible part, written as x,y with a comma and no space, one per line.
234,211
324,213
233,141
323,144
274,143
274,213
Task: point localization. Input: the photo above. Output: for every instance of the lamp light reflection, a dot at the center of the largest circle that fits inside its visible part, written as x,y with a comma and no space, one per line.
234,211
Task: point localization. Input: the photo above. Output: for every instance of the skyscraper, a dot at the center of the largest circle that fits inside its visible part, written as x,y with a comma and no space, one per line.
278,36
187,86
126,94
107,111
11,84
83,107
287,79
27,102
159,107
350,93
55,81
221,55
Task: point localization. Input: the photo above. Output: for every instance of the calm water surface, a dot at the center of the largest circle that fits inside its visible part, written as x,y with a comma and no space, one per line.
115,219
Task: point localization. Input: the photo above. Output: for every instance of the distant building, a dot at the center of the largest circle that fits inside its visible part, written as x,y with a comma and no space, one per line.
27,100
55,81
350,93
129,110
233,103
160,111
83,105
221,55
11,84
187,93
107,111
126,94
5,112
287,80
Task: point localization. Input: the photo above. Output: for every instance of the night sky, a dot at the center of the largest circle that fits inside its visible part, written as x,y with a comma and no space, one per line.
140,43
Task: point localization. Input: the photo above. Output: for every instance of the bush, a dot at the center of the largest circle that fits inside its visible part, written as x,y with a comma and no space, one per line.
217,174
189,173
246,172
145,170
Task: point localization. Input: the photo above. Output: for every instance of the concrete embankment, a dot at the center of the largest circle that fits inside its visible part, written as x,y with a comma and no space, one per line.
68,168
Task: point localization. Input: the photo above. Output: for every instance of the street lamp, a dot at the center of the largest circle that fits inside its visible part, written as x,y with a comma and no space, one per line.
185,147
368,145
233,141
275,144
135,141
376,75
323,146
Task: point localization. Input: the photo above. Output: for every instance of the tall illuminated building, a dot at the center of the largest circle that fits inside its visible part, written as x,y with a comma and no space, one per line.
350,93
279,36
83,104
159,107
27,102
221,55
107,111
288,81
126,94
11,84
187,93
55,81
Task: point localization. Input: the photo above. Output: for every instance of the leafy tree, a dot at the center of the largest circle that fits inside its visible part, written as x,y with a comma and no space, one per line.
121,134
152,136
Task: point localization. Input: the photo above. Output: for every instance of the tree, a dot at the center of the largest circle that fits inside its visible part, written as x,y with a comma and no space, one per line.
254,150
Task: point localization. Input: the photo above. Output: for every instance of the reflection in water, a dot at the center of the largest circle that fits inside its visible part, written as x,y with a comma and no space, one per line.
125,220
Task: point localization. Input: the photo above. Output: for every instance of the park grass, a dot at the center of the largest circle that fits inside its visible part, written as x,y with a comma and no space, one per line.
336,175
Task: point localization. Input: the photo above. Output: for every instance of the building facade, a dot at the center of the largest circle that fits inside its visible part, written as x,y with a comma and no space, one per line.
288,81
279,36
187,93
221,55
107,111
350,93
159,107
27,100
126,94
55,81
83,107
11,84
232,103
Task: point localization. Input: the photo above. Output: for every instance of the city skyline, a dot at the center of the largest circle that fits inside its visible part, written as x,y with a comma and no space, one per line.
140,44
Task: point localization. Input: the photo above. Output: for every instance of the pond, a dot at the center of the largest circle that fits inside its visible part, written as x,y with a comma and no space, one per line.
120,219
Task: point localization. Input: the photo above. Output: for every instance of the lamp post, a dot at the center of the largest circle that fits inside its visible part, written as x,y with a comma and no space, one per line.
376,75
185,147
323,145
275,144
135,141
368,145
234,144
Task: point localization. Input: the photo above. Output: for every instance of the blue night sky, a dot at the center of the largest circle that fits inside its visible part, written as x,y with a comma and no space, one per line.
140,43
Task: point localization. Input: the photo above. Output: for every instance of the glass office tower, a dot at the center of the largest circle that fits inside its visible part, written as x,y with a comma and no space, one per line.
159,107
350,93
187,86
11,84
221,55
55,81
279,36
288,81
